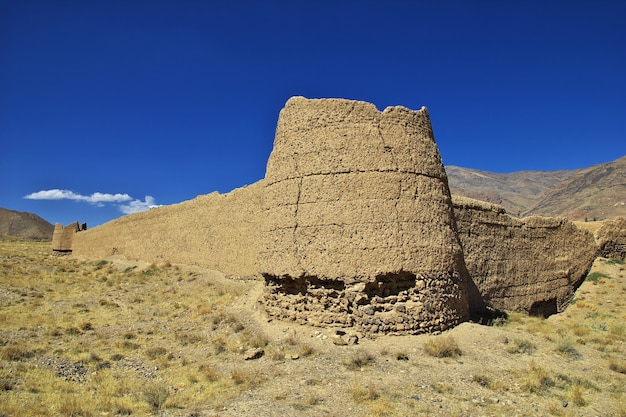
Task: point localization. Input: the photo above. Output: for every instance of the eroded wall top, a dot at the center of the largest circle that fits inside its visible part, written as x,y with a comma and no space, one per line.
353,192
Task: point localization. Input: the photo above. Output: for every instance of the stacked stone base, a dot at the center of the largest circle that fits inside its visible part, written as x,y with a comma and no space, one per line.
400,303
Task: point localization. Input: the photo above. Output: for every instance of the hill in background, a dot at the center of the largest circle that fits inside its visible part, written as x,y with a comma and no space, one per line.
23,225
597,192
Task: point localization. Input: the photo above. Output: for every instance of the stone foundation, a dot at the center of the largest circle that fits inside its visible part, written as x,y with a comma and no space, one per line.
394,303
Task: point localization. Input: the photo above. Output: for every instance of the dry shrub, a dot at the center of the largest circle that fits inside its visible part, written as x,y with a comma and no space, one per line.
576,396
442,347
7,380
155,352
519,345
156,395
306,350
617,365
74,405
537,380
565,346
16,353
364,392
482,380
358,360
246,378
209,372
580,330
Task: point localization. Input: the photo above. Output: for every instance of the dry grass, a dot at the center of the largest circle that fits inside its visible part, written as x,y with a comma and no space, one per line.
91,338
442,347
522,346
359,359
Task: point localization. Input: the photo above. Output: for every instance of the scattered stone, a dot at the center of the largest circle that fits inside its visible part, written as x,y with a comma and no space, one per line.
139,367
66,369
253,353
400,308
338,340
565,403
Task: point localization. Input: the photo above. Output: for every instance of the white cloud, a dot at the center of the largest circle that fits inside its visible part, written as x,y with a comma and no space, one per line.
95,198
136,206
98,199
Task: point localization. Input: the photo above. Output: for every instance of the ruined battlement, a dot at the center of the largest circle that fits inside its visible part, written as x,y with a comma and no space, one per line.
63,237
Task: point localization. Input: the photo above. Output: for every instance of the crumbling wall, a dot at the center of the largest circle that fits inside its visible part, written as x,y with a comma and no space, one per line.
611,239
357,227
533,264
216,231
354,226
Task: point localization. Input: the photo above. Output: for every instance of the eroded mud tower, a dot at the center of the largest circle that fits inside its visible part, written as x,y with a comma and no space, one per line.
63,237
357,227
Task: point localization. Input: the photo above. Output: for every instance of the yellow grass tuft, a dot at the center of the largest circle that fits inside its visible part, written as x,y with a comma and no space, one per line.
442,347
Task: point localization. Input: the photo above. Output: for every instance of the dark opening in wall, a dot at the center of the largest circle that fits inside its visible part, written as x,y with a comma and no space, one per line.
543,308
301,285
390,284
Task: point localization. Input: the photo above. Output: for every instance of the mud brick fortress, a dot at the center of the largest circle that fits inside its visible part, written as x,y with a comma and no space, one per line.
354,227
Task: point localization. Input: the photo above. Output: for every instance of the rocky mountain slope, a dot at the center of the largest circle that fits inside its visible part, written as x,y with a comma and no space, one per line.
596,192
24,225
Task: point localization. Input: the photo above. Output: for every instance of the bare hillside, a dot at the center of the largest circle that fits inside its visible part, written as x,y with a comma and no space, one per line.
517,192
596,192
24,225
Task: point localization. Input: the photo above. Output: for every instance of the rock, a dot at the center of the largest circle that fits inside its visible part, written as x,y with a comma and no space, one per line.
253,353
338,340
400,308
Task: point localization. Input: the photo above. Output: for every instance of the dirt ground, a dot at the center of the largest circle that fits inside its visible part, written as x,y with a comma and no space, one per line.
120,337
392,375
486,379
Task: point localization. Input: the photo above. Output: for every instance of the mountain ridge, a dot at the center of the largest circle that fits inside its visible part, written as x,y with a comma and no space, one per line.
597,192
24,225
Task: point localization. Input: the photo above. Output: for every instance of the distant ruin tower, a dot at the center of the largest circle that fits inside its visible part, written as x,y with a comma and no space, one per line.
63,237
358,228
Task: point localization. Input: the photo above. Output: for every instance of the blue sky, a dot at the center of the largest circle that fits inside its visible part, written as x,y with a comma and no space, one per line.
108,107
